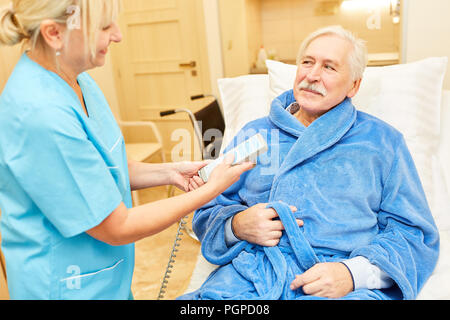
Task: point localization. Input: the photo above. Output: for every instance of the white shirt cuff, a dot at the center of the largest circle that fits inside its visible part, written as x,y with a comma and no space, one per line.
367,275
230,238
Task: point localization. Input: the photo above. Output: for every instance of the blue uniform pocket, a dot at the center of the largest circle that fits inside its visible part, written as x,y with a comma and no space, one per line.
103,284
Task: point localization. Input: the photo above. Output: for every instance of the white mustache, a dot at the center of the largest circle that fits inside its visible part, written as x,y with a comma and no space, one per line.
305,84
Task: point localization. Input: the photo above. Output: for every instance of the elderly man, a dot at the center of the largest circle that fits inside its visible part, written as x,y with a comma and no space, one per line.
344,214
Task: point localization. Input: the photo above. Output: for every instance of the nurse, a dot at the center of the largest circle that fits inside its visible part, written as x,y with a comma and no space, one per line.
67,224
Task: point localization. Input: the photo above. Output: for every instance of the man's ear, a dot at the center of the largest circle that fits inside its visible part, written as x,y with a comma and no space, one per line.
52,33
354,89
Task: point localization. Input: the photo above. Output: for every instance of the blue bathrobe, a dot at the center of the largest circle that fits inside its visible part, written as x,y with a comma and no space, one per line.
354,183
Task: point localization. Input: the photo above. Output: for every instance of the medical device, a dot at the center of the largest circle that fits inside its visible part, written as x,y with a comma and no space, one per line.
248,150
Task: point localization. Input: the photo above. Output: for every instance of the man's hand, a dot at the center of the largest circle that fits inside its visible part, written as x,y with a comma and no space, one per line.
328,280
256,225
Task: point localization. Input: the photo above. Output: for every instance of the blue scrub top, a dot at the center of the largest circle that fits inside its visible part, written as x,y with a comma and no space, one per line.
62,173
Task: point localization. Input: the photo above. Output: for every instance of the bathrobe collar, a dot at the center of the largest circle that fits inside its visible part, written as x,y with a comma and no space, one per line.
318,136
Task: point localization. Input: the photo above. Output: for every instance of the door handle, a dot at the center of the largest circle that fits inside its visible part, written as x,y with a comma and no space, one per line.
191,64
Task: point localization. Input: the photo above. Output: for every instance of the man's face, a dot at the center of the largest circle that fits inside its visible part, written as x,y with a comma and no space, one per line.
323,76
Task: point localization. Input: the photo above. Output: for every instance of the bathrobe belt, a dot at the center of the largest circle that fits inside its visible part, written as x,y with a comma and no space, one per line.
304,253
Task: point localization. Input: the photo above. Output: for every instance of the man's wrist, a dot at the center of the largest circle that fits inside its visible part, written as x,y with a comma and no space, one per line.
230,236
232,228
367,275
351,275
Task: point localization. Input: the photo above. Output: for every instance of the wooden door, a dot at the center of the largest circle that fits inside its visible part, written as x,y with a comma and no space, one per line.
8,59
160,63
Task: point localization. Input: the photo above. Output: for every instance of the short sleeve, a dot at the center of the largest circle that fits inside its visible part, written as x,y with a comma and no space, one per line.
54,160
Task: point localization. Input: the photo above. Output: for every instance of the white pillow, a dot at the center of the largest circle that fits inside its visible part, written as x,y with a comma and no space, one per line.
407,96
281,77
244,99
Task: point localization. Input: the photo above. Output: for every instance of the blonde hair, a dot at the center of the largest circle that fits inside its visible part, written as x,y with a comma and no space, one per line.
20,22
358,57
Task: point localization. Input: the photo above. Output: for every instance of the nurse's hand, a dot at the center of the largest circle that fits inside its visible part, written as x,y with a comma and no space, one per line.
185,175
225,174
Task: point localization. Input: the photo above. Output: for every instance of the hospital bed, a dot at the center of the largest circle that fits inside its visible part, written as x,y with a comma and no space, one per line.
408,96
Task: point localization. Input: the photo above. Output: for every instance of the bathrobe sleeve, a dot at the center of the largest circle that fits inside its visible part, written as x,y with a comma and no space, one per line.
209,225
209,222
407,246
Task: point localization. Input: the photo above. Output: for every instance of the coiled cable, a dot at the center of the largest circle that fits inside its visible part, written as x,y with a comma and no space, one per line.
176,244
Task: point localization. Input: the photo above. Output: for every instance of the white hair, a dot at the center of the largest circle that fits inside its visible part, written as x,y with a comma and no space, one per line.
358,57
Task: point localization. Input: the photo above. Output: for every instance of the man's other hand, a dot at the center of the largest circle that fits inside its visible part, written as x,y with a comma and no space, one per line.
328,280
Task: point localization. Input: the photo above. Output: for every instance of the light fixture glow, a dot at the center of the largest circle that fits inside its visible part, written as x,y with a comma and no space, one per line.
351,5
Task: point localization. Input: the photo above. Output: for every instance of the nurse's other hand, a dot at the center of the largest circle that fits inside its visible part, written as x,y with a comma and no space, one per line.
225,174
195,182
184,175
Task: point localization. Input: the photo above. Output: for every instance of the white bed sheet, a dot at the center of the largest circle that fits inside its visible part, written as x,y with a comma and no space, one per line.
438,285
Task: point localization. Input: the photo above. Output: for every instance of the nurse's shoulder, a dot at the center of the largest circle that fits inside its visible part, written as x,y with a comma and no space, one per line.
35,104
32,91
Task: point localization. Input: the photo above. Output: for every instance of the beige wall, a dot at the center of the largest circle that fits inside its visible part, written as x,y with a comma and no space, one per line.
427,31
285,23
281,25
8,57
254,29
233,27
214,45
421,19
